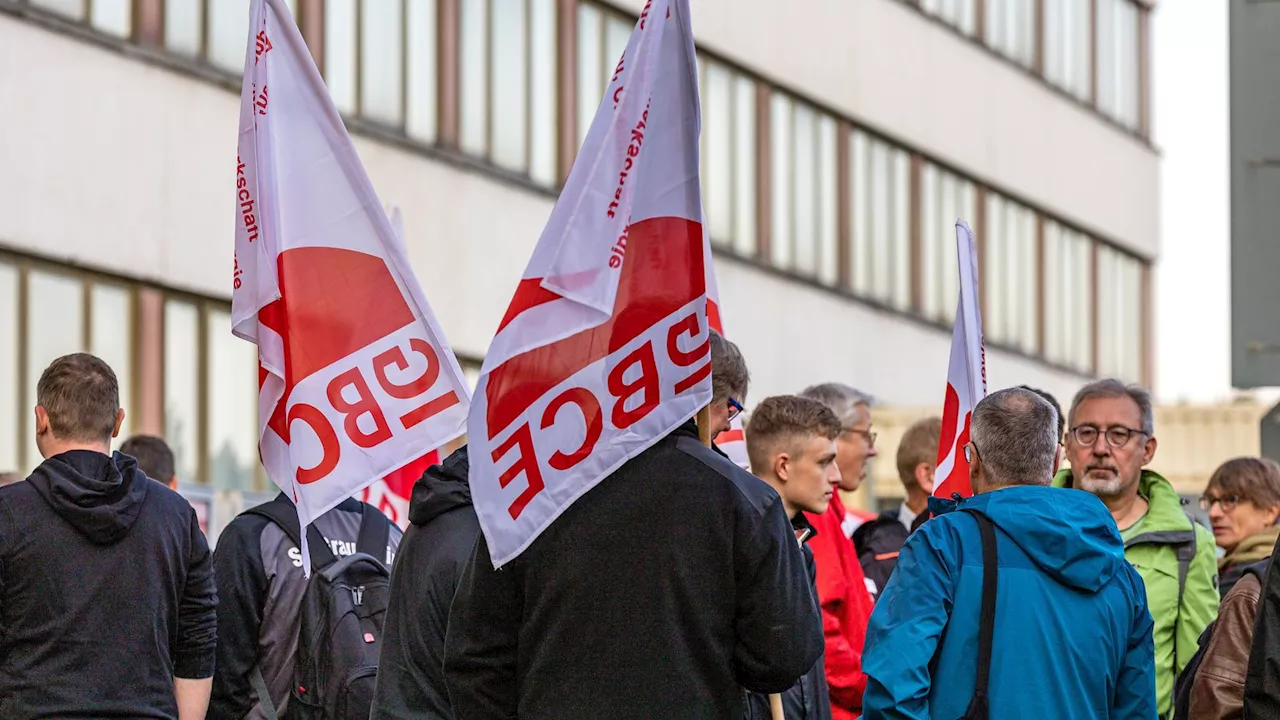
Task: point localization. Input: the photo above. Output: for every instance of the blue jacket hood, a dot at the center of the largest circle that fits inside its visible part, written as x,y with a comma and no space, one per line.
1069,534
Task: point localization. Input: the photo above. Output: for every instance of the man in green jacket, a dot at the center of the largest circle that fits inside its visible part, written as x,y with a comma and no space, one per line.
1110,438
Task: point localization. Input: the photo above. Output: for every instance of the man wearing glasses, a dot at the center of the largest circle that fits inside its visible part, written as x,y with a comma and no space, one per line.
1110,440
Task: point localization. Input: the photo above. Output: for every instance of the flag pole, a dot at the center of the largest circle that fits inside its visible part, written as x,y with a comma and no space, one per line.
704,434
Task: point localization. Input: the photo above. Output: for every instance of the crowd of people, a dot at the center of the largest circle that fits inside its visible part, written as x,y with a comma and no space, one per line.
1072,584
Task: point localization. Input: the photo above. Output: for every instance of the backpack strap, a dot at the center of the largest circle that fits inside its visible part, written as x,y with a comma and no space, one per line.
285,516
375,533
979,708
1185,552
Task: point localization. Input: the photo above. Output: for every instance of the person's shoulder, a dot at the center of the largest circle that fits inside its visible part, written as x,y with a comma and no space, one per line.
717,468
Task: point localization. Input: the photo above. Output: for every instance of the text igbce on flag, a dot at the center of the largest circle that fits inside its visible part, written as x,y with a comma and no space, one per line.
391,493
355,377
604,348
966,374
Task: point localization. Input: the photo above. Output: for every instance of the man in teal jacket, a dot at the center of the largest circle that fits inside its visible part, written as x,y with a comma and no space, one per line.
1072,633
1110,438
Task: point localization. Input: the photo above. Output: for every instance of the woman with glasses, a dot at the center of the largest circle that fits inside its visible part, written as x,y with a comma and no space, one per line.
1243,502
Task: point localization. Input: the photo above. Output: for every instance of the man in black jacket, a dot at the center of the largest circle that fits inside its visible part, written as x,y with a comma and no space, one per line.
107,601
792,444
433,553
661,593
259,573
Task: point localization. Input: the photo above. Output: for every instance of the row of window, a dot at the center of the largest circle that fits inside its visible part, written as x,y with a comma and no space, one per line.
1066,41
807,230
207,386
784,182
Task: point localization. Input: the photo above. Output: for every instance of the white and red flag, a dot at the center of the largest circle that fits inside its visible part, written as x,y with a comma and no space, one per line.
966,374
356,379
604,348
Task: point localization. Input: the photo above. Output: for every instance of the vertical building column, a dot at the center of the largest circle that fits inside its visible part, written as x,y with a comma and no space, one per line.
149,362
1144,71
1147,300
567,75
1042,294
1094,307
148,22
916,236
764,172
448,67
844,209
311,22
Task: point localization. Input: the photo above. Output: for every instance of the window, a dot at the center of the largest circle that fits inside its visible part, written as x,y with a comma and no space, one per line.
186,23
181,387
421,105
961,14
55,327
1067,44
602,38
183,26
232,422
880,187
1067,259
1011,29
728,156
508,84
9,348
944,199
1010,279
804,189
381,62
111,338
114,17
1118,47
1119,315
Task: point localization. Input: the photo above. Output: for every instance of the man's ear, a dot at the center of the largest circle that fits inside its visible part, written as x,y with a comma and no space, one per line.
781,466
1149,451
173,483
42,420
119,423
1057,461
975,473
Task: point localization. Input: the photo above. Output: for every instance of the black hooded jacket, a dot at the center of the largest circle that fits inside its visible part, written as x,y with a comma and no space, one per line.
106,592
433,553
661,592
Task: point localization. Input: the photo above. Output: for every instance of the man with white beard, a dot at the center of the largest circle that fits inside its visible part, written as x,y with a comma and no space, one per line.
1110,440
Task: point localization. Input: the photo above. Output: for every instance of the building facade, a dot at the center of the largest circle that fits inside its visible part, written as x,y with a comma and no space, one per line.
841,139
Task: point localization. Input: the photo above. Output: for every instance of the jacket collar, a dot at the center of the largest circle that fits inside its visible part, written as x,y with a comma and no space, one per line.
1164,505
805,531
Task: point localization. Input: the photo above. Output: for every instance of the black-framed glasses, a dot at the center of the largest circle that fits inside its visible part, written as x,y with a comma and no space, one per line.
1228,502
970,452
1117,435
869,435
735,408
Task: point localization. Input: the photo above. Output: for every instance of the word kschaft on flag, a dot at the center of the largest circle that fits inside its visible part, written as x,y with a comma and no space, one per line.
966,374
355,378
605,346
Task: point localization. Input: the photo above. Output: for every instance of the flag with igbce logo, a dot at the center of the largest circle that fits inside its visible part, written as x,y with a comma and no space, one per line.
966,375
355,377
604,348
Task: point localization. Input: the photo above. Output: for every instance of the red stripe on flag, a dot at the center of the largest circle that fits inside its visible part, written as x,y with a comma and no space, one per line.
728,436
663,271
529,294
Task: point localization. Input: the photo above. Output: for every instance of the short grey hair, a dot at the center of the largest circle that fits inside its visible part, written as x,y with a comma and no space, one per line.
1113,388
843,400
729,375
1015,432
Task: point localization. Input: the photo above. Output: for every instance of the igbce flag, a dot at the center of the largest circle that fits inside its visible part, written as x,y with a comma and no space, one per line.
966,375
604,348
355,377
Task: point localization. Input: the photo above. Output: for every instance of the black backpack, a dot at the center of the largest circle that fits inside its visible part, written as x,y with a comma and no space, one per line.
343,611
1182,688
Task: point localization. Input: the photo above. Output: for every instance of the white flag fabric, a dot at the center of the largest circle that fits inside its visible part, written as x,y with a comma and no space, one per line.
604,348
356,379
966,374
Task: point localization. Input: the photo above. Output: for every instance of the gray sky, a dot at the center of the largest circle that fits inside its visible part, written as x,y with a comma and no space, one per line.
1189,118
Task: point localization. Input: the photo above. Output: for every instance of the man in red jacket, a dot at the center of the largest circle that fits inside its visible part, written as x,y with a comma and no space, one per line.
842,588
